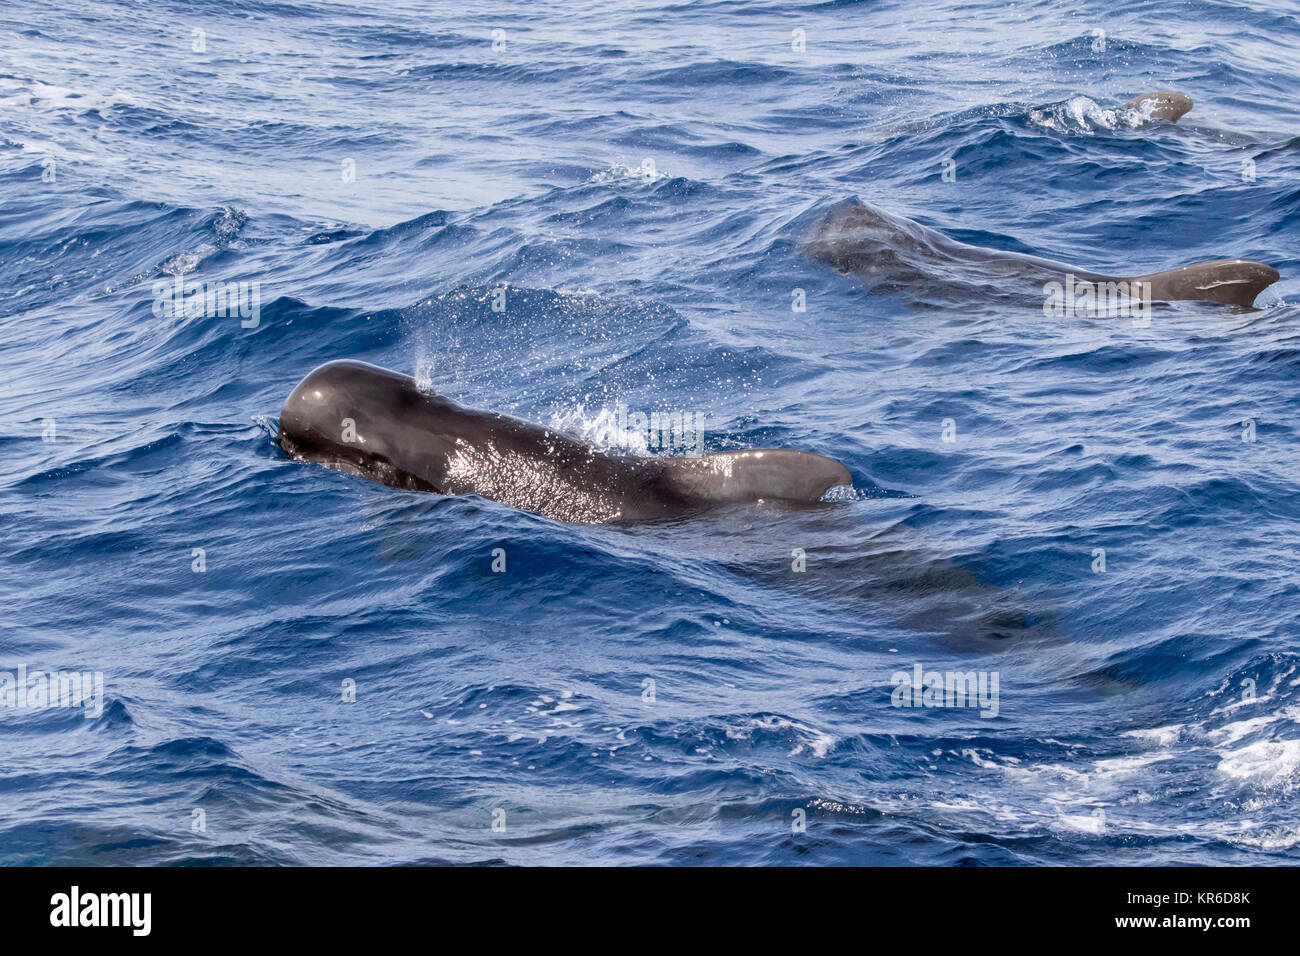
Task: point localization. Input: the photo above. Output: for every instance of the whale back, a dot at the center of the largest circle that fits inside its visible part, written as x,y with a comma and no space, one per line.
895,255
891,254
763,474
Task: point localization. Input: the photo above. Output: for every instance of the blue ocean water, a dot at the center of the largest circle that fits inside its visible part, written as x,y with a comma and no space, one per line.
1101,517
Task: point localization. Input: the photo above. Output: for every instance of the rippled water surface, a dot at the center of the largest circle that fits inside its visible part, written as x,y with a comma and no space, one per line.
638,178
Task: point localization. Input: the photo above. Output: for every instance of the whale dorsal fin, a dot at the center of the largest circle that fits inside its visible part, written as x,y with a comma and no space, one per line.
1230,281
753,475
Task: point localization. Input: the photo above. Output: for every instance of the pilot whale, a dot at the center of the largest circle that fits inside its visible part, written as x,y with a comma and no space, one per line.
897,254
1172,106
1162,104
369,421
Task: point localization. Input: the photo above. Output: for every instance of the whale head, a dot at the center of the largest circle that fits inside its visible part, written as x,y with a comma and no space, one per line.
1162,104
365,420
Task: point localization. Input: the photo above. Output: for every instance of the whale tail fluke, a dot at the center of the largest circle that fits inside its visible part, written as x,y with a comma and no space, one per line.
1162,104
1230,281
776,474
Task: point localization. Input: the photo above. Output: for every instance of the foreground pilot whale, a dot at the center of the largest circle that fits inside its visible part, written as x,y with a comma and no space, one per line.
358,418
897,254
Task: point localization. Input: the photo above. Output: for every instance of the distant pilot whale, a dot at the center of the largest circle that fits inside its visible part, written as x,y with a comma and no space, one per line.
358,418
896,254
1172,106
1138,112
1162,104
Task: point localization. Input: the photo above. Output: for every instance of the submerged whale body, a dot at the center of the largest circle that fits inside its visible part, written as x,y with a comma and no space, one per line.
358,418
896,254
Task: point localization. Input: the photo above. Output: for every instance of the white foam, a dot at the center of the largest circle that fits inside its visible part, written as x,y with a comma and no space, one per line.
618,172
1159,736
1269,763
1094,823
818,743
183,263
16,93
1079,114
599,428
